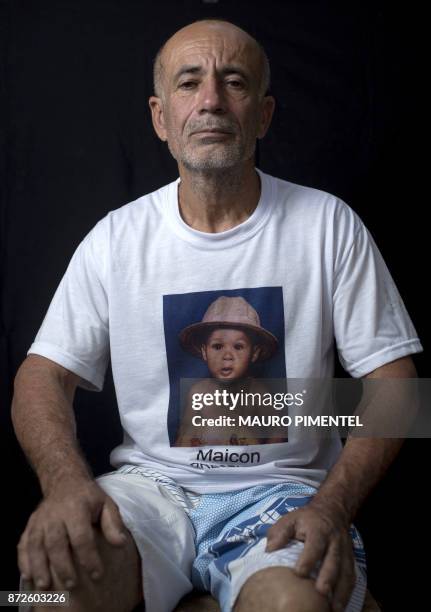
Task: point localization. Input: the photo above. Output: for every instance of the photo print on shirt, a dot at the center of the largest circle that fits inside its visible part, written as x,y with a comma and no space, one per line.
223,347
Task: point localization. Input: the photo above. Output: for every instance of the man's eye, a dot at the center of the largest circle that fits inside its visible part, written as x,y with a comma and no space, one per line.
217,346
187,84
236,84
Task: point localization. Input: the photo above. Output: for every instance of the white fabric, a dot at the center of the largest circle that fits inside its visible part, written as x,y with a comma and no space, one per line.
162,533
310,244
156,515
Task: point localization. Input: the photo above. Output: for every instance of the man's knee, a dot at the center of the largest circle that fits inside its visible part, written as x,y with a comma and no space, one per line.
280,589
119,589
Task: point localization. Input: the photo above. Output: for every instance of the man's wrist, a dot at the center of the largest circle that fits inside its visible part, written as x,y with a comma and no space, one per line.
64,477
332,507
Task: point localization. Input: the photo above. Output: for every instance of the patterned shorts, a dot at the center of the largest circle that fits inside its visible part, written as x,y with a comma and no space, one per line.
213,541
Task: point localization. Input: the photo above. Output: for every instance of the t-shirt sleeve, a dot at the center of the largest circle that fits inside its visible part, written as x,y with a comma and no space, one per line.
371,324
74,332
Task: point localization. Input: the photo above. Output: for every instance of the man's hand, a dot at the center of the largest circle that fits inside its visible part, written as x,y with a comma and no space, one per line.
326,539
62,529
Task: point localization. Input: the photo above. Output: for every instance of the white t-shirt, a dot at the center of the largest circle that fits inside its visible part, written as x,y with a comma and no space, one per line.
304,261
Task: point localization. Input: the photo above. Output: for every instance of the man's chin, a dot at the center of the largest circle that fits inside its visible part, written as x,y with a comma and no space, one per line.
215,166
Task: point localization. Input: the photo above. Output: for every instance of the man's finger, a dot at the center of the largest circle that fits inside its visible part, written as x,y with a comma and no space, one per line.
23,559
112,525
315,545
279,534
330,569
83,541
59,554
346,580
39,568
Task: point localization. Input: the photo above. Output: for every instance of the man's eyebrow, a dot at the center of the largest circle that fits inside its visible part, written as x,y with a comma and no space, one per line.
235,70
187,69
226,70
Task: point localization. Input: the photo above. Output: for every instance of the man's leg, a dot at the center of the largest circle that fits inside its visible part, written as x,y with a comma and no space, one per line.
279,589
118,590
235,566
160,534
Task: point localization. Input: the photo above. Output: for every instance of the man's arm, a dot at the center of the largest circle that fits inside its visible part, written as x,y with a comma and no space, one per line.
363,461
323,524
44,423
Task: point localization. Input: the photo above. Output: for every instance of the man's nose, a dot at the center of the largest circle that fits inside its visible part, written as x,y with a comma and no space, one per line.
212,99
227,354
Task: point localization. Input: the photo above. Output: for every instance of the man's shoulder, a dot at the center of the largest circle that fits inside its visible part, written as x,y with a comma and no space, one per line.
124,227
146,204
137,218
300,192
309,202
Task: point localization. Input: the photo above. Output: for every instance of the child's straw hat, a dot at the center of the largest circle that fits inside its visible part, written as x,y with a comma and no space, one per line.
229,312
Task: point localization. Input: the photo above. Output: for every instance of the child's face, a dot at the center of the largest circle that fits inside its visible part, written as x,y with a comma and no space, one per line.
229,353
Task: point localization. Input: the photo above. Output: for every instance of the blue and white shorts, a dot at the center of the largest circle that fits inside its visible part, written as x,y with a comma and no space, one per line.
212,542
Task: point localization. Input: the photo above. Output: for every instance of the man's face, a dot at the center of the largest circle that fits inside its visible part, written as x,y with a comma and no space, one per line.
229,353
211,111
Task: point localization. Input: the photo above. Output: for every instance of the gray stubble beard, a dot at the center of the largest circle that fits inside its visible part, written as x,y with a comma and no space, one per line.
223,167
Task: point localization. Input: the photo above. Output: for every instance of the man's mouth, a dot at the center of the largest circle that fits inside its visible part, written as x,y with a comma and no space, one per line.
212,131
212,135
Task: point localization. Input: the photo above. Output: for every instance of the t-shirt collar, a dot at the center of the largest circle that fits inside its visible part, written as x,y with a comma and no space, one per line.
220,240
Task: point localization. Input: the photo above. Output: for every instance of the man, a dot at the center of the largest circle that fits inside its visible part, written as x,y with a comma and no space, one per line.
223,228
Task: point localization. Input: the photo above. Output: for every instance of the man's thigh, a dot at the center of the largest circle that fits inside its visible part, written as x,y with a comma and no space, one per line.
237,553
162,533
158,557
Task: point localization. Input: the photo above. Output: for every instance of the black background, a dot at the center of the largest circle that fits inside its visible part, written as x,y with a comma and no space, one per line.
77,141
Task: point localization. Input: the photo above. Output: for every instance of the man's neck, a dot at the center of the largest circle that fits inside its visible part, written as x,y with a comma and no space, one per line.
218,201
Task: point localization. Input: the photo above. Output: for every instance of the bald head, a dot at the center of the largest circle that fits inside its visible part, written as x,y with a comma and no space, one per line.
204,28
211,104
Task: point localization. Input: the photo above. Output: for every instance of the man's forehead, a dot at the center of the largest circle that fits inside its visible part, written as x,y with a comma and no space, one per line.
200,42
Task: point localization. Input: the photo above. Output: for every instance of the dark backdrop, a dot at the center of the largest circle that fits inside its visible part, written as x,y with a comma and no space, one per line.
78,142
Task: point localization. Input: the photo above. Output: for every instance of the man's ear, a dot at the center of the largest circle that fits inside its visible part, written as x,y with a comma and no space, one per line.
256,352
158,117
267,110
204,352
